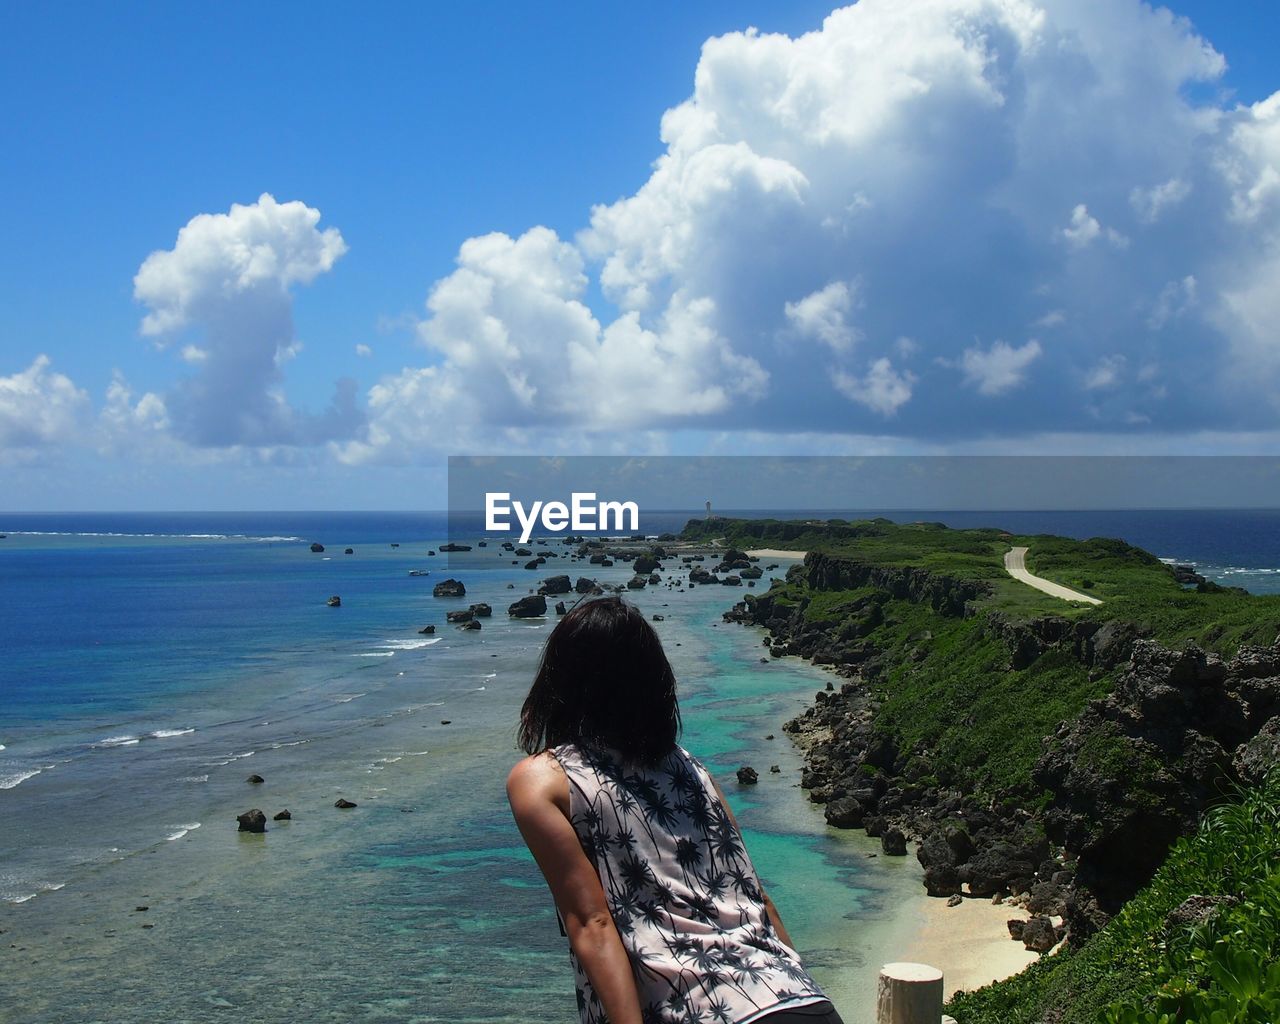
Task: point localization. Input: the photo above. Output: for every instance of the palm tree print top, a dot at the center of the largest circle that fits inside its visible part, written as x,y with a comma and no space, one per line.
682,891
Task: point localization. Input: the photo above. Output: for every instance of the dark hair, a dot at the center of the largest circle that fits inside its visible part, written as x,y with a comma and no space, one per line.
603,681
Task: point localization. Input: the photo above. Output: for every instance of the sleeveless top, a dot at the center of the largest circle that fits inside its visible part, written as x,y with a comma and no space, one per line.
682,891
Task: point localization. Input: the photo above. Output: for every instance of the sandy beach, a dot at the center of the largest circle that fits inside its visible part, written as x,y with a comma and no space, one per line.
775,553
969,943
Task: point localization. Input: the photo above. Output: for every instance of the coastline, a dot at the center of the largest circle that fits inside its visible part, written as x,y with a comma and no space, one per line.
968,942
776,553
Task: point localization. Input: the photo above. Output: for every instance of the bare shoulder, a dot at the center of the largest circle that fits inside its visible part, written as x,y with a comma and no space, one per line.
537,778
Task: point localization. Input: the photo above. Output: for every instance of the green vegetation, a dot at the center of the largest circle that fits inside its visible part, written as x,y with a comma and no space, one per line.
1148,968
949,693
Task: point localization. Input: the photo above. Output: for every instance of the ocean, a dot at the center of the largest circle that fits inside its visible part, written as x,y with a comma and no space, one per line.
149,663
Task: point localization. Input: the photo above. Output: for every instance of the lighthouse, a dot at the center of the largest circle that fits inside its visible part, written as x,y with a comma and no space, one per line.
708,508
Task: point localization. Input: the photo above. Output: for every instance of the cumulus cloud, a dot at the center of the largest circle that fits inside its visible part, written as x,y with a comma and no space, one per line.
228,278
999,368
39,408
363,350
823,315
519,349
938,170
882,389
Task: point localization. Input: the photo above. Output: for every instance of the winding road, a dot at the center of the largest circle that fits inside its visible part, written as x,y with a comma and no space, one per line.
1015,562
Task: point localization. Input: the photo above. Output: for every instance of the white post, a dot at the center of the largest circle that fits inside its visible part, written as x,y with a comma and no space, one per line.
909,994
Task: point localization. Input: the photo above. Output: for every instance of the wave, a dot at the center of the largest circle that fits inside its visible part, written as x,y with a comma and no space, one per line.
10,778
161,734
194,778
410,645
346,698
182,831
229,760
289,743
41,888
117,741
375,654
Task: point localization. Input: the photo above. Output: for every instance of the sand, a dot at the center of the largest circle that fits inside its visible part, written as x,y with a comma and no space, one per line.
969,943
775,553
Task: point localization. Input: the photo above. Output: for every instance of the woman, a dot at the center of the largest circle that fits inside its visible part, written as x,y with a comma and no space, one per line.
666,918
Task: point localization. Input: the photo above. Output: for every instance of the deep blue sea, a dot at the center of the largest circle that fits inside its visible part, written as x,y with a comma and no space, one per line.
150,662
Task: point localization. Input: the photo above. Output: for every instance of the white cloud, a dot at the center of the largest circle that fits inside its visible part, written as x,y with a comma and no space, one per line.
520,350
882,389
39,408
1000,368
1105,373
1150,203
1084,229
228,277
363,350
1053,318
823,315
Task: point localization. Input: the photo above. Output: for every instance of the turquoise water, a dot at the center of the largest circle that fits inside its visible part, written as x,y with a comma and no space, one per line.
150,664
181,665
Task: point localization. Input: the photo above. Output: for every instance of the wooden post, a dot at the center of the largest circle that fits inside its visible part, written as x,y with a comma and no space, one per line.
909,994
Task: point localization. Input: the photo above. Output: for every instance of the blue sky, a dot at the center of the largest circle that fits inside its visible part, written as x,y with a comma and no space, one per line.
928,227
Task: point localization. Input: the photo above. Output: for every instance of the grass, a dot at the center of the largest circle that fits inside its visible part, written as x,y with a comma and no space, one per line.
953,699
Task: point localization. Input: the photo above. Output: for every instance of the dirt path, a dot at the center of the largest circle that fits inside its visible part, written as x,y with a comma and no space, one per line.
1015,561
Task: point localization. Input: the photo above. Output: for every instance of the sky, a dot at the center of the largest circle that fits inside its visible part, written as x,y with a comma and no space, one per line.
297,257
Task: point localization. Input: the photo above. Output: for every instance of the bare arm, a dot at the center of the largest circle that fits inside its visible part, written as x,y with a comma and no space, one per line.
770,909
539,795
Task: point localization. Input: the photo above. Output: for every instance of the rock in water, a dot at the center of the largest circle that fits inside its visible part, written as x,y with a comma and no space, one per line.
481,610
560,608
334,602
252,821
427,630
283,816
317,548
344,804
747,775
528,607
449,588
255,780
349,551
462,615
470,624
555,585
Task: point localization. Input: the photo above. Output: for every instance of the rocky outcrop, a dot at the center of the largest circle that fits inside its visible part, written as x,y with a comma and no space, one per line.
1136,769
584,585
449,588
556,585
252,821
944,594
528,607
